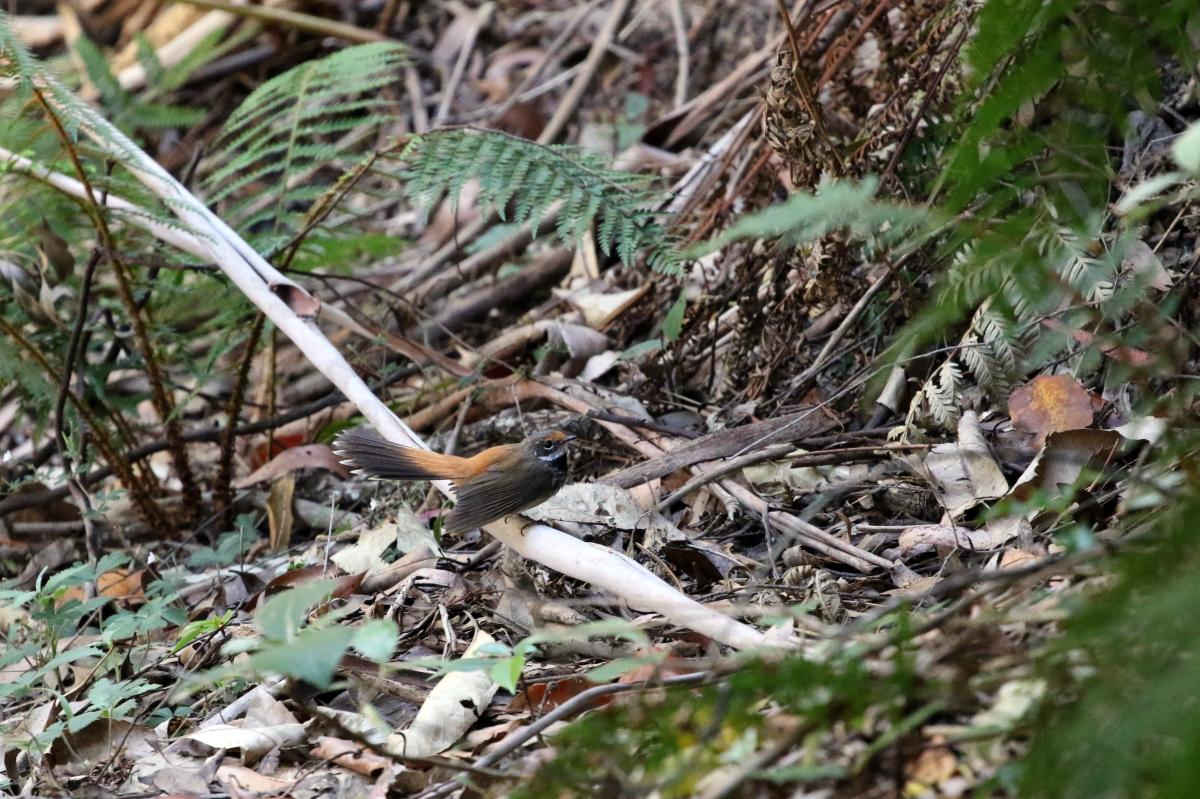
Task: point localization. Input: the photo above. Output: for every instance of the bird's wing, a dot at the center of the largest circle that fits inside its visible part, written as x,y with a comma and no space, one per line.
492,495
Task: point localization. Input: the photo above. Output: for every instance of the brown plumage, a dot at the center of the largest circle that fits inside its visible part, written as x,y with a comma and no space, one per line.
497,482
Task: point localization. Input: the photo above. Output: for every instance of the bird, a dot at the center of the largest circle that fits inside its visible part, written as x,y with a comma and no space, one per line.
495,483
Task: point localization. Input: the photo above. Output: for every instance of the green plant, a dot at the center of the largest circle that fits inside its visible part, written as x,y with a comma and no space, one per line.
523,180
301,121
291,644
40,646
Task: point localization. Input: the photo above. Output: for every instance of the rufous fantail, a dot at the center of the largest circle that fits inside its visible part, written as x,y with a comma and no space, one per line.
497,482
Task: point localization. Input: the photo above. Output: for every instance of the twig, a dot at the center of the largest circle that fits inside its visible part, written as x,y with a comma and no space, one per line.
629,421
22,501
223,490
480,18
294,19
770,453
60,405
681,47
570,101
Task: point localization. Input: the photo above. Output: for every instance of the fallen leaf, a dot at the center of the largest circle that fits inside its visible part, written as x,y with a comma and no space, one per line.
1143,428
280,519
1050,404
350,755
99,741
541,697
304,304
309,456
583,507
123,585
365,554
964,474
241,780
933,765
1062,458
267,725
1145,263
580,341
599,310
451,708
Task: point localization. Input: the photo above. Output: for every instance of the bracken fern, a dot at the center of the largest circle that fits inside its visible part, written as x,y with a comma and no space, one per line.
297,122
522,180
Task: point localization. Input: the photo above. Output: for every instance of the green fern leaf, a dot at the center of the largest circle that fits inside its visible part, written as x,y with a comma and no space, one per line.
290,124
523,181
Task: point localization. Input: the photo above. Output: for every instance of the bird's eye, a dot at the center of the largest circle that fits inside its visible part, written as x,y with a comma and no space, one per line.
548,445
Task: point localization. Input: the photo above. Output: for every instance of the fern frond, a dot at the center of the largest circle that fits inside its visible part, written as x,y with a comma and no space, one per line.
835,206
287,126
523,180
941,392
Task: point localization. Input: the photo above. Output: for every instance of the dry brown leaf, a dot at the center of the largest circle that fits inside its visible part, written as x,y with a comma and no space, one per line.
280,519
1050,404
365,555
304,304
1063,457
933,765
267,725
78,752
245,782
310,456
122,585
350,755
599,310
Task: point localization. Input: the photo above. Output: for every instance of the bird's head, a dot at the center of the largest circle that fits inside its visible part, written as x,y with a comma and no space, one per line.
549,445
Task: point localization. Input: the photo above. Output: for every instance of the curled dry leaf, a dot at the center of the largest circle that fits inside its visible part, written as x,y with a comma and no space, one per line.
1063,458
451,708
964,474
268,725
1050,404
599,310
580,341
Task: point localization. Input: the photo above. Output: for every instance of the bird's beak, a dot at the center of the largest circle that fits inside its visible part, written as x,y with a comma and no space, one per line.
567,437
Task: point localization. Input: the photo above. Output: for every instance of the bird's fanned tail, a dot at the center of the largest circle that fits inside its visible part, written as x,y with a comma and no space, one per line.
372,456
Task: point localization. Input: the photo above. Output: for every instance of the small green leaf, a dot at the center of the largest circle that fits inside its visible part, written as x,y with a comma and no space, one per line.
507,672
1186,148
615,668
312,656
282,615
673,323
201,627
376,639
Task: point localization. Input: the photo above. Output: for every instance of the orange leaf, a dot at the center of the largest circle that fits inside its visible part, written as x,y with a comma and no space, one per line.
1050,404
